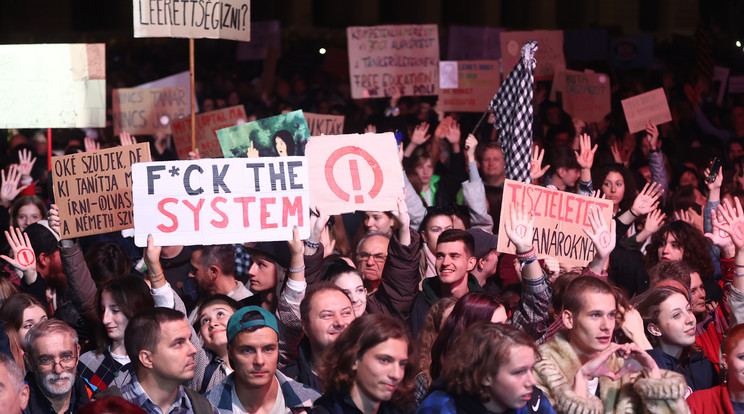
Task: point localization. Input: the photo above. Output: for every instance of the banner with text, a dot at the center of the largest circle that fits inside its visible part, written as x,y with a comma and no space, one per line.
549,51
559,219
585,95
207,124
321,124
477,81
220,201
218,19
145,111
650,106
53,86
93,190
382,57
355,172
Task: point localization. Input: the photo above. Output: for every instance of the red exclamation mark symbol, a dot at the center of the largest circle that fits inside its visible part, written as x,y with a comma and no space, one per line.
356,184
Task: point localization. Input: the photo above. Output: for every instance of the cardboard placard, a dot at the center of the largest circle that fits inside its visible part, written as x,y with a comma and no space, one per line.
284,134
142,111
207,124
53,86
182,79
474,43
321,124
559,219
354,172
93,190
263,35
477,83
549,51
650,106
586,95
218,19
381,57
219,201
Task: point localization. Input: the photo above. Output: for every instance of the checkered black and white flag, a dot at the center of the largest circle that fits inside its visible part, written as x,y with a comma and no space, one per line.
513,110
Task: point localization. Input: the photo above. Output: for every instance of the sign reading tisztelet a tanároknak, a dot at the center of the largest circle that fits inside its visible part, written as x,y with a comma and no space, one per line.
218,201
93,190
559,219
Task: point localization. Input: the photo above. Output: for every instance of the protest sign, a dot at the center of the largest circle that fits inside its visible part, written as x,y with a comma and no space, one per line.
93,190
219,201
207,125
474,43
559,218
148,110
179,79
549,51
477,83
217,19
632,51
263,35
281,135
53,86
354,172
650,106
320,124
585,95
382,57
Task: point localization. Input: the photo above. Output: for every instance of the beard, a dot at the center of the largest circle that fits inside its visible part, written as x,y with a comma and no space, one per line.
53,390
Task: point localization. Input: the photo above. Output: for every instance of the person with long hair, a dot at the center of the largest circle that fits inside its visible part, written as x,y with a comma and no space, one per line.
492,372
368,368
118,300
433,323
21,312
728,397
670,328
678,240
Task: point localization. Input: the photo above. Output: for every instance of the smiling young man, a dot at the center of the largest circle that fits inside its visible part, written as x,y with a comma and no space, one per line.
256,386
582,370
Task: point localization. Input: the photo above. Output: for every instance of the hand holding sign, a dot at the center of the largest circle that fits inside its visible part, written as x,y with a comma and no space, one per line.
585,157
519,227
652,135
647,200
602,235
471,142
53,218
24,258
537,159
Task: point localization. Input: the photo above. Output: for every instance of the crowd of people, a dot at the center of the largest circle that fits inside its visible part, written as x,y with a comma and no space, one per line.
403,311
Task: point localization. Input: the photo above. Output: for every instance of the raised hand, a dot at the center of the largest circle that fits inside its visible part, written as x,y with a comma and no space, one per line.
296,246
717,183
9,188
720,238
599,194
453,133
91,144
537,158
24,258
690,217
647,200
601,234
620,153
652,135
518,227
585,157
420,136
471,142
733,221
26,163
53,219
126,139
194,155
654,221
370,129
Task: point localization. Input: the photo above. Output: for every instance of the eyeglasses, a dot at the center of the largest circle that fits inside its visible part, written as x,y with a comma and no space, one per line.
379,257
66,360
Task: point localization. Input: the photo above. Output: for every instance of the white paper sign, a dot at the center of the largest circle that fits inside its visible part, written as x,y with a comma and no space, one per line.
448,75
220,201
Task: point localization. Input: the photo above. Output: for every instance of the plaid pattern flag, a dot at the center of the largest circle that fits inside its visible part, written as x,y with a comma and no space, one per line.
513,110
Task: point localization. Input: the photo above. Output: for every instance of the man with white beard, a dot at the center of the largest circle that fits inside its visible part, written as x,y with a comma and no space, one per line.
52,353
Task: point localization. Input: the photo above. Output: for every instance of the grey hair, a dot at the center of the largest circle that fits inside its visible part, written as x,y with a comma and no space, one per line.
46,328
14,371
370,234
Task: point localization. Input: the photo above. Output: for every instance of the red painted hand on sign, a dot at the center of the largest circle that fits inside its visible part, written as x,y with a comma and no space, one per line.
356,185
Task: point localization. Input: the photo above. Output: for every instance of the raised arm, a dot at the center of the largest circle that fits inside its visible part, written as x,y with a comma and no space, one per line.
473,190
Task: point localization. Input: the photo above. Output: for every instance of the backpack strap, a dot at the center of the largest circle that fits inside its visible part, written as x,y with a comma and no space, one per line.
200,403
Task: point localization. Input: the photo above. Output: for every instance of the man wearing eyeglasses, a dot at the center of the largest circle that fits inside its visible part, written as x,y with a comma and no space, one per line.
52,352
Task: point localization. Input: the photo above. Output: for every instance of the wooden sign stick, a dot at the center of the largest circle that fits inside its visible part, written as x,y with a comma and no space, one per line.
193,96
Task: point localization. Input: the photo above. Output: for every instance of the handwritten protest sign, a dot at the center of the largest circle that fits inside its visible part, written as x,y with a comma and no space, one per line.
218,19
381,57
207,124
549,51
354,172
280,135
93,190
474,43
585,95
263,35
559,219
477,83
218,201
321,124
650,106
148,111
182,79
53,86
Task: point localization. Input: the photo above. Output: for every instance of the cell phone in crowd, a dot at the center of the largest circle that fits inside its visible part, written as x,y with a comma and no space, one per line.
398,137
714,167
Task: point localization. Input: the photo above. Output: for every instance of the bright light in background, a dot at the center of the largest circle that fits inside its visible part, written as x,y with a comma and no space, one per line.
322,51
738,43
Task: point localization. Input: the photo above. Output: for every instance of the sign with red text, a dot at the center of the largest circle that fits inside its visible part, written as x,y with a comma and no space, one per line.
549,51
207,125
650,106
354,172
93,190
585,95
220,201
559,219
477,83
218,19
146,111
405,57
323,124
